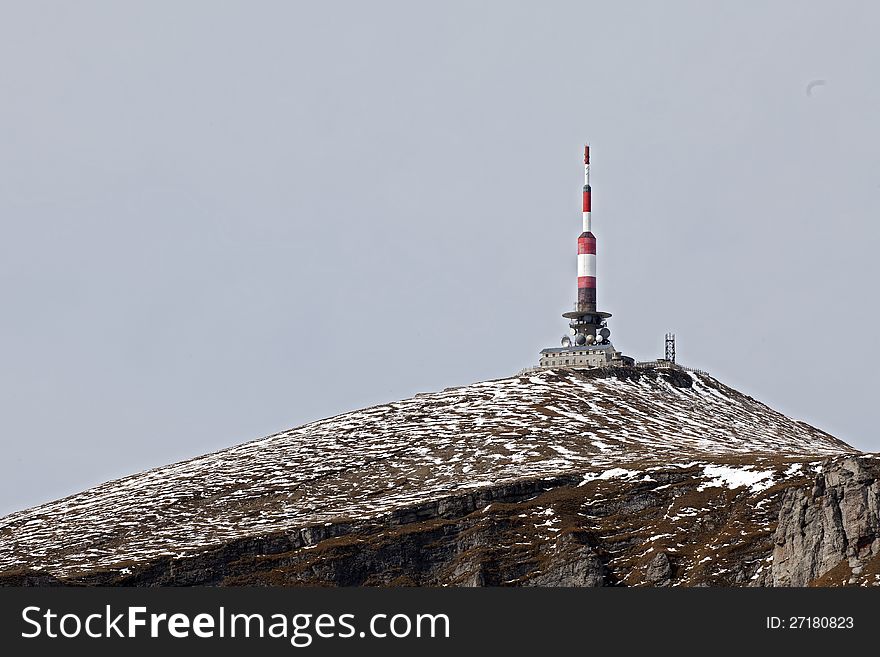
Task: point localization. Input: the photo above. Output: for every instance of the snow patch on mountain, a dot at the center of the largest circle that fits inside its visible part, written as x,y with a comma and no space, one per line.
732,477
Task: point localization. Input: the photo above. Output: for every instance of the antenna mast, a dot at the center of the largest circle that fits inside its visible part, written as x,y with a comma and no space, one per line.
670,347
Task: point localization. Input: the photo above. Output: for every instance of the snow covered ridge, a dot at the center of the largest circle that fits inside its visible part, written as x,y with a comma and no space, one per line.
365,463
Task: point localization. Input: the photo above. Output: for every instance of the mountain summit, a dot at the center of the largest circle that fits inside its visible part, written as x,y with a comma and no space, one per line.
612,476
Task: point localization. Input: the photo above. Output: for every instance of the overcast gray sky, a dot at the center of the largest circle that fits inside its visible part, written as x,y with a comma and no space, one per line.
224,219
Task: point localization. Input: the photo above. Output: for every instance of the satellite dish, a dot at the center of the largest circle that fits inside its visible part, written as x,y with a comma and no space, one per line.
566,341
580,338
605,333
590,339
572,331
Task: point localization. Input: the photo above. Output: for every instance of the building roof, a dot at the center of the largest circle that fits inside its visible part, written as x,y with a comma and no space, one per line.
578,350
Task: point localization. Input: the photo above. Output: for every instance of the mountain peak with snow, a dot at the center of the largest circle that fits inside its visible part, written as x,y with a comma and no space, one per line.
409,462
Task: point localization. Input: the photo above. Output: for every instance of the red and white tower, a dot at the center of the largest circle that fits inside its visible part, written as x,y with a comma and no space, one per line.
590,345
588,326
586,300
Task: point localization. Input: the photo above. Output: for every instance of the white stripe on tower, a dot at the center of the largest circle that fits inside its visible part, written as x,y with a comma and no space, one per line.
586,264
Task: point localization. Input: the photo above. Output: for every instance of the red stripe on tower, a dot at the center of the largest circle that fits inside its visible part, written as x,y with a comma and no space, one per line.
587,243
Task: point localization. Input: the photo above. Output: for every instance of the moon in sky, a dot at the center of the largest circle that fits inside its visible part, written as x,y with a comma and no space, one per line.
813,84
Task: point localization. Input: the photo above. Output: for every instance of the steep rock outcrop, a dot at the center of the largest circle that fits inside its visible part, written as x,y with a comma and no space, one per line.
832,524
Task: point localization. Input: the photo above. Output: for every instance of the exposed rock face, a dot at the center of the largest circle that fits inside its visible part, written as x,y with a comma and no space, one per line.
604,478
833,525
659,570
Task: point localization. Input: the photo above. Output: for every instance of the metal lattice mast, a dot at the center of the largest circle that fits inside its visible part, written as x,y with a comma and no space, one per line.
670,347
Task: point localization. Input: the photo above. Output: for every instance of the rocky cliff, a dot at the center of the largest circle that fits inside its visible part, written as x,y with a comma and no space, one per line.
607,477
